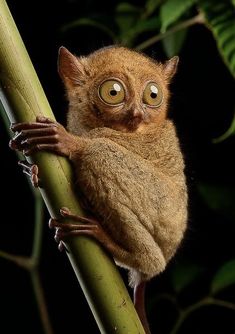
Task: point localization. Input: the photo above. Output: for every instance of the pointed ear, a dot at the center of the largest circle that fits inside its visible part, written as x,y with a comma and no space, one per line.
71,69
170,67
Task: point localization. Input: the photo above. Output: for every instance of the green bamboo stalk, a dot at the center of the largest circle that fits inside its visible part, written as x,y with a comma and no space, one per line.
102,285
31,264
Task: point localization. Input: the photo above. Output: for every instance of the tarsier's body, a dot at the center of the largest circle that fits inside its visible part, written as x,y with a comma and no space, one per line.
125,152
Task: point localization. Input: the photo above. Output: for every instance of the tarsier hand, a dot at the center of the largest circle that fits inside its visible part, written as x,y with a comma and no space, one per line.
44,134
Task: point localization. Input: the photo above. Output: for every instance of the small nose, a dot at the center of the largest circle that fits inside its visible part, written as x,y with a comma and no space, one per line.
138,113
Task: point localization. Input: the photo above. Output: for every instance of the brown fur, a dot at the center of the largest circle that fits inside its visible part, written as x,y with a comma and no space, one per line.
130,169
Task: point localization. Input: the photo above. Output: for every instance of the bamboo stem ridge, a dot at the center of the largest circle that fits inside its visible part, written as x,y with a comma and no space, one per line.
102,285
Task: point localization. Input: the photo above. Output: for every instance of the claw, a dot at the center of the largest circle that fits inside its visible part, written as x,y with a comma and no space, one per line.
32,171
62,247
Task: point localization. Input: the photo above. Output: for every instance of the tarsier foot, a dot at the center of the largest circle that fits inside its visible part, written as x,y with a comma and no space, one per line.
85,226
32,171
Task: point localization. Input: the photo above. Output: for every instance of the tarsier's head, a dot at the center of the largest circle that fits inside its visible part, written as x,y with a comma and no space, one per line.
115,87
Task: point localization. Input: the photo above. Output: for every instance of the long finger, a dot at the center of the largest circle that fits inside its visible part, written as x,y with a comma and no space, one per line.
66,213
61,235
44,119
25,145
40,140
69,227
43,147
35,133
30,125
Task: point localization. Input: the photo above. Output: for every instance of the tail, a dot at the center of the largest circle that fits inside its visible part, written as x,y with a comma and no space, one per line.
139,302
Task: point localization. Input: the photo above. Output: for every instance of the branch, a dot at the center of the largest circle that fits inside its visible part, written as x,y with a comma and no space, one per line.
21,261
41,302
198,19
95,271
192,308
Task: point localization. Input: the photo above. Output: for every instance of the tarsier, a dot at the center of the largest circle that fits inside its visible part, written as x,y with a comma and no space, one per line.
126,158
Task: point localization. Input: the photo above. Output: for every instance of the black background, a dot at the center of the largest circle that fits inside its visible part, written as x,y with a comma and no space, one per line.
202,107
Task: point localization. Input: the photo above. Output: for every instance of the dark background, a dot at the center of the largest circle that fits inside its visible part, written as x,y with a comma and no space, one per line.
202,107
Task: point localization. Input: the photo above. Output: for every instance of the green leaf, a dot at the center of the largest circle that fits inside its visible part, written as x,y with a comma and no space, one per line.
126,16
219,198
172,10
220,17
183,274
152,24
140,27
126,7
227,134
131,24
84,21
151,6
173,43
224,277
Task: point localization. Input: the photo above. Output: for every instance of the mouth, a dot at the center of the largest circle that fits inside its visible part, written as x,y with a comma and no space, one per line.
134,123
131,125
127,123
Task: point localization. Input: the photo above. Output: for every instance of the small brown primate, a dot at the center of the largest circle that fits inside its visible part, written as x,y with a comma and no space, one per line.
126,156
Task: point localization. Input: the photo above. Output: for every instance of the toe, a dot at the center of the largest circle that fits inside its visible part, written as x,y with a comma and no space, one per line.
53,223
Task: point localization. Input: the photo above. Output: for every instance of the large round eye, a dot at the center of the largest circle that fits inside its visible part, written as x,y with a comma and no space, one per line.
152,95
112,92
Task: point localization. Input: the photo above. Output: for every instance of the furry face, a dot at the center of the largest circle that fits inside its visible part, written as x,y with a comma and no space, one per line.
115,87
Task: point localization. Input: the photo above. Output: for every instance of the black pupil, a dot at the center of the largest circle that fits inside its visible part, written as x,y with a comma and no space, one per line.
153,95
113,92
